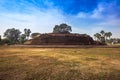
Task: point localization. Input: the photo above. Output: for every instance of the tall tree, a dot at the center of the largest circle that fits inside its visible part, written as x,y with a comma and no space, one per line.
103,36
62,28
98,36
109,34
106,35
102,33
22,38
27,32
95,36
12,35
0,37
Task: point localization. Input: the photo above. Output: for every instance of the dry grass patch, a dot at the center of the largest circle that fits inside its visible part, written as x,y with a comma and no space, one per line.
59,63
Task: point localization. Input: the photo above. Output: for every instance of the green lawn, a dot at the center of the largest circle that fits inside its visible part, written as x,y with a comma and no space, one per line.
59,63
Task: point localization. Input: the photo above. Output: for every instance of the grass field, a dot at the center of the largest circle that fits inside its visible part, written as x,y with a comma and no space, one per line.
59,63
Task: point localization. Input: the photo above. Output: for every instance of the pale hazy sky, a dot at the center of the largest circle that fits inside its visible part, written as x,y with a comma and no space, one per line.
85,16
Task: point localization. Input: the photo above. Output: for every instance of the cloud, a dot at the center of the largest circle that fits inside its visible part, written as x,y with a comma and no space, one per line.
82,15
37,21
97,13
42,15
103,17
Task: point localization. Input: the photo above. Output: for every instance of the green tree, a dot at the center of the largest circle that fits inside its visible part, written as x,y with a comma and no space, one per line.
34,35
103,36
12,35
5,41
109,34
97,36
27,32
62,28
0,37
106,36
102,33
22,38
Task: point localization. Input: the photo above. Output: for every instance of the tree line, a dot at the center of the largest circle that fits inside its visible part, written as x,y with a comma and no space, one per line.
15,36
103,36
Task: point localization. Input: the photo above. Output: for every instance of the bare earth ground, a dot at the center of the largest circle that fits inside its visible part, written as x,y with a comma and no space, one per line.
17,63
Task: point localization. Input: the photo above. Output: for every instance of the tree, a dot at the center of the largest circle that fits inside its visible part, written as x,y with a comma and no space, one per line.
102,33
103,36
0,37
5,41
27,32
62,28
106,35
109,34
12,35
33,35
98,36
95,36
22,38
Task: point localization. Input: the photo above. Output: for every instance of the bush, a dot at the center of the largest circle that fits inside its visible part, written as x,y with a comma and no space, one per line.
5,41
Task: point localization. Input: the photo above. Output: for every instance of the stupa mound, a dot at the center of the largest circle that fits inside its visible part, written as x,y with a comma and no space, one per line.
62,39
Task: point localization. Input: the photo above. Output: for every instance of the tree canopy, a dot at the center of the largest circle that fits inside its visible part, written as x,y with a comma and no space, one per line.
0,37
62,28
22,38
12,35
103,36
27,32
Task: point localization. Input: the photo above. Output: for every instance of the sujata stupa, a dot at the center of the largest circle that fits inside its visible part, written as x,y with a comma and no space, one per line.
61,36
62,39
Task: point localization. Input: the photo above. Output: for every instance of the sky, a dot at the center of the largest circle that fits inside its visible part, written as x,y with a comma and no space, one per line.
84,16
